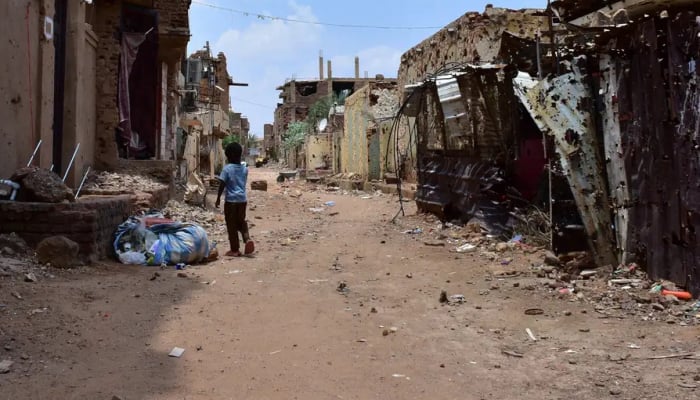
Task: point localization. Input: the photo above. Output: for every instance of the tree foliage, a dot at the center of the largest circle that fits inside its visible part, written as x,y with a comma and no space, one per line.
295,134
229,139
318,111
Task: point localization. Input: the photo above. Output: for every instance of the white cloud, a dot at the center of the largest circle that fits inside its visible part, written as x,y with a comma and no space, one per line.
272,40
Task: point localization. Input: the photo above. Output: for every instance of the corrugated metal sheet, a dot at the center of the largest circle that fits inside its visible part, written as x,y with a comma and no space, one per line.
658,106
562,108
460,165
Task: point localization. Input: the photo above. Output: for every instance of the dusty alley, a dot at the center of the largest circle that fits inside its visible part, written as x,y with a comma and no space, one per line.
337,304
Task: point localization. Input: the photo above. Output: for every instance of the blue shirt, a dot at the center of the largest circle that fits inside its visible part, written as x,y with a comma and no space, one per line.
235,177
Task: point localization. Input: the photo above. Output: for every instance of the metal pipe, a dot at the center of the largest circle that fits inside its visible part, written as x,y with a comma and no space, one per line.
70,164
36,149
82,182
14,185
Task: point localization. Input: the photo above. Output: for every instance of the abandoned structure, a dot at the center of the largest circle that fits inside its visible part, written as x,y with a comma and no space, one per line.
298,97
94,85
594,142
206,107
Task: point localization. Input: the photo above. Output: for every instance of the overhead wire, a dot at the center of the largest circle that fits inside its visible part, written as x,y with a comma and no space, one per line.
301,21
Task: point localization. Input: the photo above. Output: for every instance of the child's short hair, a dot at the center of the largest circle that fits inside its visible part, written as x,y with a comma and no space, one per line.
233,152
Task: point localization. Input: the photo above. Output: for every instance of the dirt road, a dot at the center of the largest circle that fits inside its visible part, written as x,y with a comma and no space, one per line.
277,326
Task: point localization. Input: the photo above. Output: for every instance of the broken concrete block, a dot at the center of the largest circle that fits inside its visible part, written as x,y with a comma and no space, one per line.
259,185
60,251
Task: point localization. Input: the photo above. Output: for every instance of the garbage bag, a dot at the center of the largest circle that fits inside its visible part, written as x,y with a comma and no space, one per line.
166,243
132,258
179,243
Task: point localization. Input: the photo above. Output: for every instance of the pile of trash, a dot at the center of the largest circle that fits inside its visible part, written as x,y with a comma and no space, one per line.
112,183
152,239
621,292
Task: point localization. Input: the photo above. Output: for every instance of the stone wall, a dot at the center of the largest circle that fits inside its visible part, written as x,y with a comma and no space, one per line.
90,222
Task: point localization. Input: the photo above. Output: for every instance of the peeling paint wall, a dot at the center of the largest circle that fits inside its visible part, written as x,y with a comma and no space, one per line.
354,141
367,146
318,152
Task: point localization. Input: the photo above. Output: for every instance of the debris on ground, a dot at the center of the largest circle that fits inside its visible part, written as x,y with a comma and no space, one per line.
259,185
115,183
209,220
141,187
625,291
41,185
14,243
6,366
176,352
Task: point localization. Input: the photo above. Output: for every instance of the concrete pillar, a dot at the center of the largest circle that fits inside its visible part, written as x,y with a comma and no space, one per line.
357,67
330,70
320,68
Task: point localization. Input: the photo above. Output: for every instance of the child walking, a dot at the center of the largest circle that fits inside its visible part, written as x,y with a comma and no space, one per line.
233,179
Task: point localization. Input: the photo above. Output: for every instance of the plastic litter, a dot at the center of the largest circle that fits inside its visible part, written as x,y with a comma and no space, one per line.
466,248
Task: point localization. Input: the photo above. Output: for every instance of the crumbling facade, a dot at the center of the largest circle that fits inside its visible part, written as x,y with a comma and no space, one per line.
139,62
206,101
610,131
365,145
298,96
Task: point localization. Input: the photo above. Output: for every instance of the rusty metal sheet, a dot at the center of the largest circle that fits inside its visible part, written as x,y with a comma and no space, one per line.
660,124
562,108
455,188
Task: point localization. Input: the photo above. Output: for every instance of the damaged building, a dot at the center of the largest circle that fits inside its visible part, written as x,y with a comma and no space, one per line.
298,98
207,113
95,86
506,116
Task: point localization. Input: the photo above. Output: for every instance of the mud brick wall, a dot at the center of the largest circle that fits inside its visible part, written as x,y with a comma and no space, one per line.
106,27
472,38
173,15
89,222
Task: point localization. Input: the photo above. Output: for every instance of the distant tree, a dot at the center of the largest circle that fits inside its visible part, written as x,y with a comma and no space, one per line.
295,135
229,139
319,111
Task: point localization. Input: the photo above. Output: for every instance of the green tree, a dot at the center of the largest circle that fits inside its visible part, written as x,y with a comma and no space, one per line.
295,134
319,111
229,139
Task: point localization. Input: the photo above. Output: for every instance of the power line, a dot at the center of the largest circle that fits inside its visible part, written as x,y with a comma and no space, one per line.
300,21
250,102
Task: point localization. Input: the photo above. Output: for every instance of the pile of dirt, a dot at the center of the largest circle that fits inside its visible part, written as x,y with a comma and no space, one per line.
41,185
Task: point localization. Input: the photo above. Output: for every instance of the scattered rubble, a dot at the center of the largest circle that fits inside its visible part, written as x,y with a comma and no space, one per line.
114,183
15,243
6,366
622,292
209,220
59,251
259,185
41,185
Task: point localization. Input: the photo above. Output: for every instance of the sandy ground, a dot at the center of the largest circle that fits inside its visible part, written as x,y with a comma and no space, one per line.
277,327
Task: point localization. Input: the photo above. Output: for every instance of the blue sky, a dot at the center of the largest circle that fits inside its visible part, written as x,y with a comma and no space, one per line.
264,52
